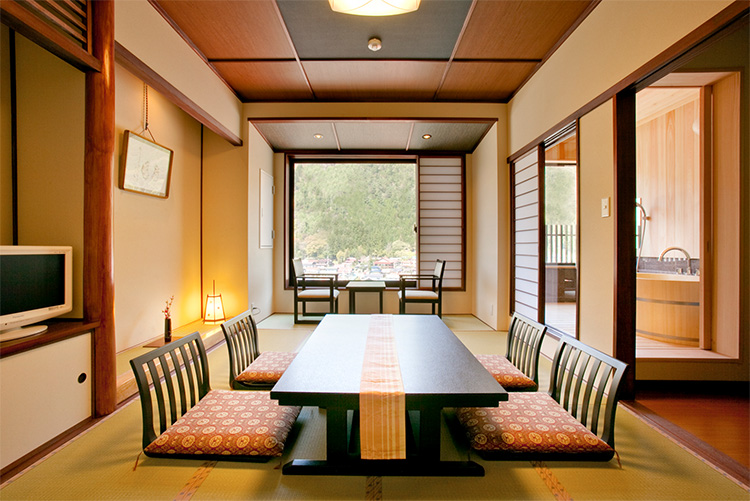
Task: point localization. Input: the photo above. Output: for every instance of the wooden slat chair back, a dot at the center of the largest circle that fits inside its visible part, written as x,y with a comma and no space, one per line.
196,422
518,369
433,295
313,288
248,367
586,383
174,393
574,420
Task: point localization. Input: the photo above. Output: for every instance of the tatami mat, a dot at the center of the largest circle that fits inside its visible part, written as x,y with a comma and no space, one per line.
98,465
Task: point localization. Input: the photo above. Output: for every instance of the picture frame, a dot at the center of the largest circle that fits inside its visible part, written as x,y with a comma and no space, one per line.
145,166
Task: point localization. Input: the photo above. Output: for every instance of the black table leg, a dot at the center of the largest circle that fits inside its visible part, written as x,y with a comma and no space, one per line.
340,461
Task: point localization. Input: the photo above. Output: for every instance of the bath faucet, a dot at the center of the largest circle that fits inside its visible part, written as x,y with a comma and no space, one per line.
687,257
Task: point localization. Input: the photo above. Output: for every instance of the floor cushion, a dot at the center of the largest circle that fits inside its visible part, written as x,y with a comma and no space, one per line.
507,374
229,423
267,368
532,425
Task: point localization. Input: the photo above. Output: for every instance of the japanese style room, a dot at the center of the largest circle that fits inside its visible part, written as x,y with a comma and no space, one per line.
375,249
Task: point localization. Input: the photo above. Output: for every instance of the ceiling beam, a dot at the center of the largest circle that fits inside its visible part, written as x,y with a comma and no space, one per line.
141,70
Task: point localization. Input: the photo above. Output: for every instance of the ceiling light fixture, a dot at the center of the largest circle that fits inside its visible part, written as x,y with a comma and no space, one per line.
318,136
426,136
374,7
374,44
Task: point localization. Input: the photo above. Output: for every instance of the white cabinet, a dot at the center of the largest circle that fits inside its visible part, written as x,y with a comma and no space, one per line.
43,393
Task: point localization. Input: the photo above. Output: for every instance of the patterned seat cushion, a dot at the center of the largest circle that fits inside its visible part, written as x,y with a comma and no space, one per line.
317,294
507,374
228,423
267,368
530,424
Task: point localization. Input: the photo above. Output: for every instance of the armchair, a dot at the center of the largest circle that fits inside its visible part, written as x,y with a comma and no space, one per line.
310,288
434,295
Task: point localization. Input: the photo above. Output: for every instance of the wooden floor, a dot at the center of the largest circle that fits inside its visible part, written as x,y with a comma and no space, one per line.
711,419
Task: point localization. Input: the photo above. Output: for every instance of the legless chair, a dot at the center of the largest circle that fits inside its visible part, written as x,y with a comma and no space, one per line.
248,367
196,422
574,420
518,369
433,296
313,288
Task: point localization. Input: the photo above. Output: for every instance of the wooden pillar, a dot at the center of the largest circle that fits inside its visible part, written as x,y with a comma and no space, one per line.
98,278
625,253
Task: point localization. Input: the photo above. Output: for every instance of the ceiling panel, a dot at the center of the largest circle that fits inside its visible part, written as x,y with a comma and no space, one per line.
475,81
232,30
448,50
385,134
265,81
448,136
373,135
298,135
519,29
374,80
320,33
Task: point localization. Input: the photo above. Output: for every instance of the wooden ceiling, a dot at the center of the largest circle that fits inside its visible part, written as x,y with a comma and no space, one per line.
447,51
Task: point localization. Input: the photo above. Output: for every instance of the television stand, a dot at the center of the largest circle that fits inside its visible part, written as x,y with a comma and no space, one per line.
31,330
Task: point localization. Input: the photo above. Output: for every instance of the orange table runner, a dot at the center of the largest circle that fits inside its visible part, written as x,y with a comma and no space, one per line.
382,402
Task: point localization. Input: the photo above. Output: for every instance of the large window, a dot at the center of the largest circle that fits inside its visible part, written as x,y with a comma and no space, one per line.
374,219
356,219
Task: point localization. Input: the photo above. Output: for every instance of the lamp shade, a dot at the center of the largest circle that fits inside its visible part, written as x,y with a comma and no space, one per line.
374,7
214,311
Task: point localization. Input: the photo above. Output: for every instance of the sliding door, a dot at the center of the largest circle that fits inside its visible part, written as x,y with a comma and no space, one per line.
526,221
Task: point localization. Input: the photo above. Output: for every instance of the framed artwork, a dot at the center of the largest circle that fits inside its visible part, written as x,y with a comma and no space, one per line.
145,166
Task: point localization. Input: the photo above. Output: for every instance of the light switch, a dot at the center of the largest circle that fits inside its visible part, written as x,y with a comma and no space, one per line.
605,207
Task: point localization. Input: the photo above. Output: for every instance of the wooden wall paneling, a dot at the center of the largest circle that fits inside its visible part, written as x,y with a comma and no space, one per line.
541,25
98,279
726,197
374,80
214,27
265,80
484,80
668,150
706,218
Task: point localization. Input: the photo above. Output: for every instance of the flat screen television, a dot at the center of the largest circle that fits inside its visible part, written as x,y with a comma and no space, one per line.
36,283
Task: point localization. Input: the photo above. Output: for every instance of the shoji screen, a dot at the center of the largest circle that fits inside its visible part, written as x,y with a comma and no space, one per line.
441,217
525,183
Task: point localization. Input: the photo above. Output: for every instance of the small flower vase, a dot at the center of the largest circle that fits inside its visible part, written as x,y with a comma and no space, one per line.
167,330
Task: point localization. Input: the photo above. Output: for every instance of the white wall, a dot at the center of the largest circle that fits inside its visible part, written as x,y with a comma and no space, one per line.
596,287
226,209
146,34
617,38
483,180
260,261
156,241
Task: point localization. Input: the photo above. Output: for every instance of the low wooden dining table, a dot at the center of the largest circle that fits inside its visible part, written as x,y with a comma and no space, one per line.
437,372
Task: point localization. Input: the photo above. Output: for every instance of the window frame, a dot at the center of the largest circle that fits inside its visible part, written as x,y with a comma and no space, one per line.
290,159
